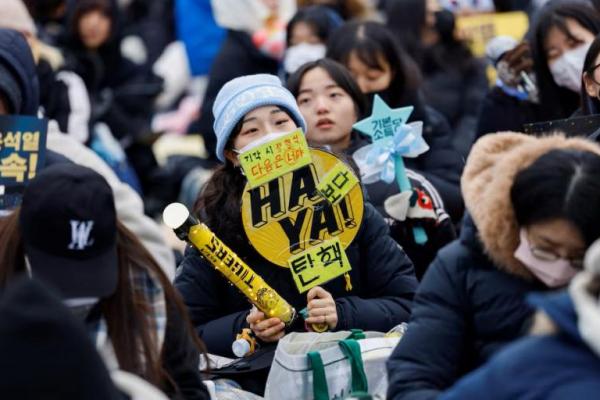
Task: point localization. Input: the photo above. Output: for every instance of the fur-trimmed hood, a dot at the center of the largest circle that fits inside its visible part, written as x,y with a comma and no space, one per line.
486,182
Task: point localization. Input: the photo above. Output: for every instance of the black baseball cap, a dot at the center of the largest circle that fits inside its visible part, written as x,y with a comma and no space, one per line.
69,227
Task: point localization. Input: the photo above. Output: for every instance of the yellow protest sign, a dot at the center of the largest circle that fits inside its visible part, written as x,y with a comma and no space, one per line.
275,158
337,183
319,264
288,215
478,29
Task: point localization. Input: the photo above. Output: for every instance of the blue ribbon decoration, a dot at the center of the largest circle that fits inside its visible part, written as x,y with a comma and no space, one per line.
383,160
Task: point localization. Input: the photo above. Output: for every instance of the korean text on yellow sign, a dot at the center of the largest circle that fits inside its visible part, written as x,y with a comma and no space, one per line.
288,215
273,159
22,148
319,264
337,183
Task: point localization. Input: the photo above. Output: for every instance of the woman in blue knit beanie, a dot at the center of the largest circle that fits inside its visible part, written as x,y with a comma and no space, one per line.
383,282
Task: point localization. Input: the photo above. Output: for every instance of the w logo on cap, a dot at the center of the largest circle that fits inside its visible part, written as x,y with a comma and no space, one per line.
80,234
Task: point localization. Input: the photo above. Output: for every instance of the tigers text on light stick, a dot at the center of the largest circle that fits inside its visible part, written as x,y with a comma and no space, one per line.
177,217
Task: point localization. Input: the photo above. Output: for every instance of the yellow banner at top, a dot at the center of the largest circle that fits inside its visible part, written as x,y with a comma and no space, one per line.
273,159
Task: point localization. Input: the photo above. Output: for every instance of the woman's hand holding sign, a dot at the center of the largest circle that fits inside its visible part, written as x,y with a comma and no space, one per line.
268,330
321,308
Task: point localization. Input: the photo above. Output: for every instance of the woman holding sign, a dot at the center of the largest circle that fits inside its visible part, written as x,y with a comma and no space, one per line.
376,293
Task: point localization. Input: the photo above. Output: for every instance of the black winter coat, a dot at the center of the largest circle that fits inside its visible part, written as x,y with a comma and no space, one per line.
382,277
237,57
465,310
458,95
501,113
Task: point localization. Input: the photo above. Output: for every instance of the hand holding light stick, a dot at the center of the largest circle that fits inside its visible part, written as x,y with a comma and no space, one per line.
234,269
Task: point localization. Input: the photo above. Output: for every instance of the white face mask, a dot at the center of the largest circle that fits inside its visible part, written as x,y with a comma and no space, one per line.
265,139
567,70
298,55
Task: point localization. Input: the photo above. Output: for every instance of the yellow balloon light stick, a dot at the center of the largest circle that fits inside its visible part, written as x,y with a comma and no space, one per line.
177,217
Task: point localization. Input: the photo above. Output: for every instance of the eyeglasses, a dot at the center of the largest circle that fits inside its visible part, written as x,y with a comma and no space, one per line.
545,255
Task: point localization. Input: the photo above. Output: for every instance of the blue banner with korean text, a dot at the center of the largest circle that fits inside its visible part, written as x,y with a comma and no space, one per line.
22,155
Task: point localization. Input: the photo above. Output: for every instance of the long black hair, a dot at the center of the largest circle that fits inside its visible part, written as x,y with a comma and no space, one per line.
590,105
560,184
557,102
370,42
339,74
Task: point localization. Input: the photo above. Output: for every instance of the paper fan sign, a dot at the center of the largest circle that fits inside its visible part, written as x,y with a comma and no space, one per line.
304,219
393,139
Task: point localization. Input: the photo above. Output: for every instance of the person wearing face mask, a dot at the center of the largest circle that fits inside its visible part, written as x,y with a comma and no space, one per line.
380,66
531,217
66,234
553,53
561,38
307,34
560,359
247,111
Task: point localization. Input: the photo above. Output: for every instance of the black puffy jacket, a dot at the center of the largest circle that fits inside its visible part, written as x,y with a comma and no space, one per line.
471,301
464,311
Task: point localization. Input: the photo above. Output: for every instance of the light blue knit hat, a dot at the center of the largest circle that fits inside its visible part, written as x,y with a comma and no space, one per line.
241,95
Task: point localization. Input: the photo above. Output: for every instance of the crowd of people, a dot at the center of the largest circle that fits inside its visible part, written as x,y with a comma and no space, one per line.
150,102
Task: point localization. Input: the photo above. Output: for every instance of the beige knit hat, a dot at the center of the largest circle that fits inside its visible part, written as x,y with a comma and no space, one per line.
14,15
